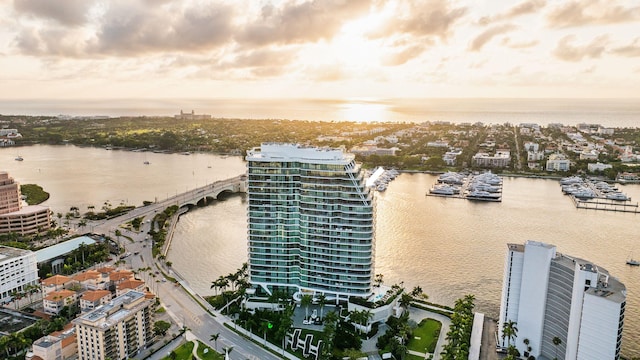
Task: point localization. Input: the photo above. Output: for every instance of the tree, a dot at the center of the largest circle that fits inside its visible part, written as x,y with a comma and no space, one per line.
264,327
306,302
509,331
161,327
328,333
417,291
405,301
322,300
214,338
227,351
379,279
557,341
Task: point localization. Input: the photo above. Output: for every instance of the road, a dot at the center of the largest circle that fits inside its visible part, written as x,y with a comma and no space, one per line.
184,310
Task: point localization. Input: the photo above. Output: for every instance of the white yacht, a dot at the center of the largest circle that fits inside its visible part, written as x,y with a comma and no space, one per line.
617,196
443,189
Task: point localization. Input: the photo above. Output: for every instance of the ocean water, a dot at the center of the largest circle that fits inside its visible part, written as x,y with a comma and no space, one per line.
606,112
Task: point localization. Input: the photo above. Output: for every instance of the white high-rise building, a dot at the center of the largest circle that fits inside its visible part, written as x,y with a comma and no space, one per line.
554,296
311,221
18,270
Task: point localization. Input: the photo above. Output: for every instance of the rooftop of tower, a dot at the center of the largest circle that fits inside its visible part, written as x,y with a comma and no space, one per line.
299,152
607,287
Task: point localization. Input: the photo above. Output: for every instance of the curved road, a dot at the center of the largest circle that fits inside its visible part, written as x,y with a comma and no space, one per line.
179,304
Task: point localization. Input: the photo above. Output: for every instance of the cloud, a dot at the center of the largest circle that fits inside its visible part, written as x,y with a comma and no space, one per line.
309,21
434,18
326,73
523,8
631,50
55,41
403,56
519,44
66,12
566,51
262,57
131,28
591,12
487,35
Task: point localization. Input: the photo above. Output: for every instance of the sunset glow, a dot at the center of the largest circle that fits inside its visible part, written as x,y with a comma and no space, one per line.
319,49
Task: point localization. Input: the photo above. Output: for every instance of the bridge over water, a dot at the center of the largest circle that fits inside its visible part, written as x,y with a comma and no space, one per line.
185,201
209,192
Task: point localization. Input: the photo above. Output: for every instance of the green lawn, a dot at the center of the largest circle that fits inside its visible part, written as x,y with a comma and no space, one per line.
183,352
210,355
425,336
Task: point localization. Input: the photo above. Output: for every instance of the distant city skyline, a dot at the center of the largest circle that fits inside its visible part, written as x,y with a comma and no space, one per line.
319,49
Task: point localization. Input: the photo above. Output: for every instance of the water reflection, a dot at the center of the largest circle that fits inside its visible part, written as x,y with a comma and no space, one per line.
364,110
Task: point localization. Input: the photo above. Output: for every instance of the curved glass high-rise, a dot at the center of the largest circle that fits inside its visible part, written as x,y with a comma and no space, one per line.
311,221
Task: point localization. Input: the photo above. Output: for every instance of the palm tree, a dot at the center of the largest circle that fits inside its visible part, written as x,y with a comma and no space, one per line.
509,331
214,338
557,341
379,279
264,326
405,301
417,291
306,302
322,300
227,351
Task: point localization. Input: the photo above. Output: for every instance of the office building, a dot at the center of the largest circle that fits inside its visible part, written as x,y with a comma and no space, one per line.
117,330
15,218
311,221
18,270
554,296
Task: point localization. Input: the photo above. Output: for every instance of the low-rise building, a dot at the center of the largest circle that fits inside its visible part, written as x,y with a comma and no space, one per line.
130,285
367,150
119,276
558,162
589,155
535,155
598,167
91,299
450,157
438,143
56,300
56,283
59,345
92,280
502,158
117,330
531,146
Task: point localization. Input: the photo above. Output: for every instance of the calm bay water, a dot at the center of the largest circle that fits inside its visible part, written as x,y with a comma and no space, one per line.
607,112
449,247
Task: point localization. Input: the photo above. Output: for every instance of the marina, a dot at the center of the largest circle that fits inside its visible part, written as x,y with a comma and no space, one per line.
593,194
478,186
380,178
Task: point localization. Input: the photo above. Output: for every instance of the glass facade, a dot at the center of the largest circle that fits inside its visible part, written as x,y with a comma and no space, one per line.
311,221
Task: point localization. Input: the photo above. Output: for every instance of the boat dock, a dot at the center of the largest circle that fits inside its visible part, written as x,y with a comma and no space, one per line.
477,187
605,204
587,194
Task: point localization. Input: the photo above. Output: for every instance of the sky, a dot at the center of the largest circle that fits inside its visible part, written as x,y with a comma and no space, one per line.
97,49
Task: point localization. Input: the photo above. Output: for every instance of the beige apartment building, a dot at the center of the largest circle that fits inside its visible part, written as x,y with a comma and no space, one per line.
117,330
